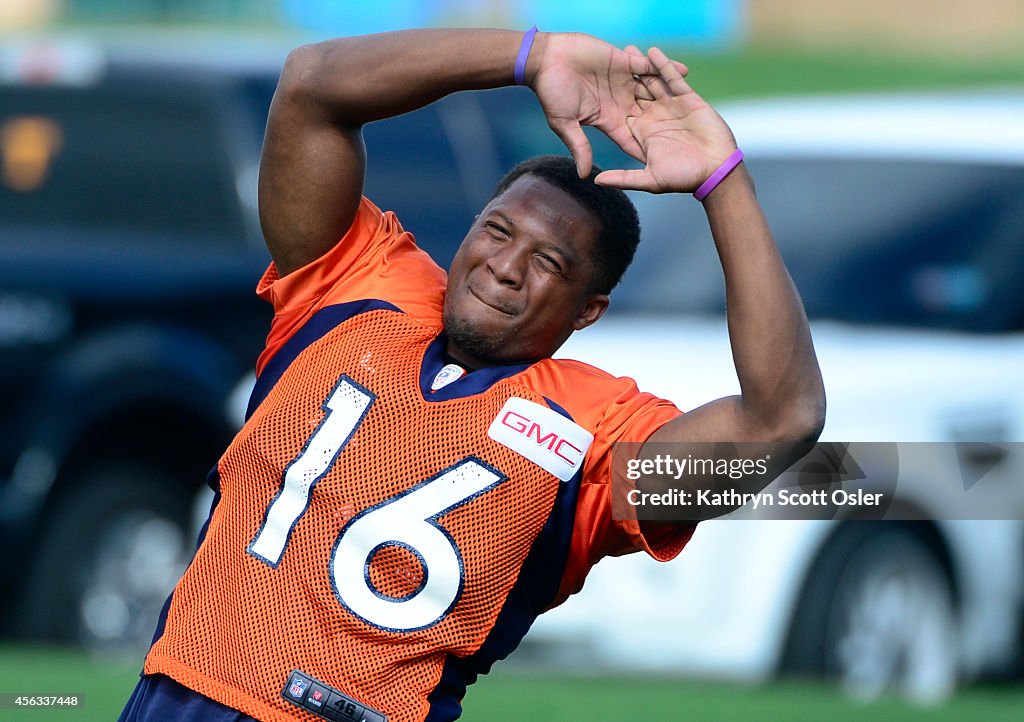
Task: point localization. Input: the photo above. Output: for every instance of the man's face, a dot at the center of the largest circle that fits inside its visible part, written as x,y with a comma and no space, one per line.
520,283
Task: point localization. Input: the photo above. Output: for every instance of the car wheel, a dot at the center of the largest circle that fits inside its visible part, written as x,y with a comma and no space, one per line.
878,616
113,550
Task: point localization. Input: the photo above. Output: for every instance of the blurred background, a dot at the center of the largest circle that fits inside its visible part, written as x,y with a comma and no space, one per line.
887,140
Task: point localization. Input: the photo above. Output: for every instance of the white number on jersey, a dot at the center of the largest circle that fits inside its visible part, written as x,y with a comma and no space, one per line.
345,409
408,520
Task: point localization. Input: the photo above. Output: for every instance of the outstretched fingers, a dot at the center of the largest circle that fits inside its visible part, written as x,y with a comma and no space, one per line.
655,87
669,72
640,64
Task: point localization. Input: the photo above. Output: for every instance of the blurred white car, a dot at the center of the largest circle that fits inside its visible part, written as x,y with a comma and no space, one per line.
901,219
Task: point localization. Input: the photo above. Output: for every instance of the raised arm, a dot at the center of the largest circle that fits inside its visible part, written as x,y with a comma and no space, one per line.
782,396
313,164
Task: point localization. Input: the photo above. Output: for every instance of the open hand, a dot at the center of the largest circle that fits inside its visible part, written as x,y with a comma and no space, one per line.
581,80
682,138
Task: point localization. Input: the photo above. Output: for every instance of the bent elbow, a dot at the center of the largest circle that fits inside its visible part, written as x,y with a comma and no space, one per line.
299,72
317,81
800,421
812,422
806,420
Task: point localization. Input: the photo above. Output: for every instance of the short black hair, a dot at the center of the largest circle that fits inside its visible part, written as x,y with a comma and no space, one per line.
620,225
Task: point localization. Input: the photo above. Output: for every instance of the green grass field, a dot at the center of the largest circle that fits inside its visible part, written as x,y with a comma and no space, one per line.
766,72
505,695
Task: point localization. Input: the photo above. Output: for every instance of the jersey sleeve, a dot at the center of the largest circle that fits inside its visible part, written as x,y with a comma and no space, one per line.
375,260
631,416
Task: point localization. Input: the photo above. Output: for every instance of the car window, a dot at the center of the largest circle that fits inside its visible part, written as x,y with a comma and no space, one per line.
412,170
521,131
413,166
931,244
120,156
255,93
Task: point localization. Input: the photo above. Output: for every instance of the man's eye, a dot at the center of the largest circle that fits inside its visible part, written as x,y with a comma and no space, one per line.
497,229
549,263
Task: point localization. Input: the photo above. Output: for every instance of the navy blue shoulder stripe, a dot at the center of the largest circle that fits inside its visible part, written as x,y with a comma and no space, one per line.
314,329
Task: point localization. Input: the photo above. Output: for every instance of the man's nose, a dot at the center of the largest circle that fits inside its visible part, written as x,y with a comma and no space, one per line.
508,264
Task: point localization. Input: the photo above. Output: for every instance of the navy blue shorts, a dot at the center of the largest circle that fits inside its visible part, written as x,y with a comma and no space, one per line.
160,699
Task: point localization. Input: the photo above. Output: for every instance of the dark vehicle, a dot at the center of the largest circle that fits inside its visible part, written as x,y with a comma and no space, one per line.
128,252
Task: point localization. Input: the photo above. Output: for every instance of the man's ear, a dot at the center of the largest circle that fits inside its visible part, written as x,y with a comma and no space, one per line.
591,310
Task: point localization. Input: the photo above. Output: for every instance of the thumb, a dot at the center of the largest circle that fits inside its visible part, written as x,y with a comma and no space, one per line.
576,141
639,180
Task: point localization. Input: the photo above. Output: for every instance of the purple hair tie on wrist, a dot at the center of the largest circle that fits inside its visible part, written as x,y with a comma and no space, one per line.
734,159
524,53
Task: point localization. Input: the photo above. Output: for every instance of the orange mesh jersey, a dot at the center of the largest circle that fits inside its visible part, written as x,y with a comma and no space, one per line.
387,540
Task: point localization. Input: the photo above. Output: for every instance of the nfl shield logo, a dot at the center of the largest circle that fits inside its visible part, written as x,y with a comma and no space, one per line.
451,372
297,688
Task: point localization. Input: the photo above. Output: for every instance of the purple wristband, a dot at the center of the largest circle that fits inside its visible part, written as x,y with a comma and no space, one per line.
524,53
734,159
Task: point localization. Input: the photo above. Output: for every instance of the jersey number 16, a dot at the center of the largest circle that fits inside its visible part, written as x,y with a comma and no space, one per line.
408,520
